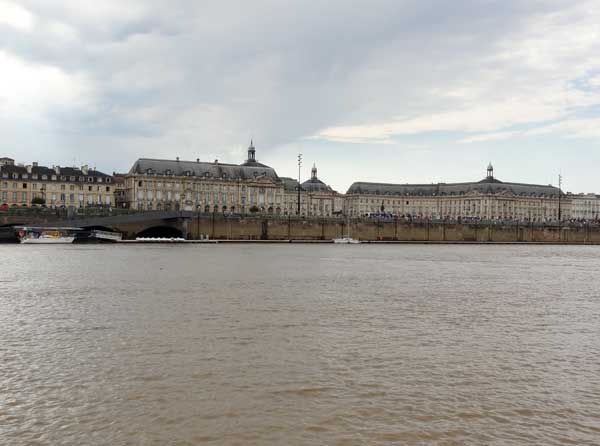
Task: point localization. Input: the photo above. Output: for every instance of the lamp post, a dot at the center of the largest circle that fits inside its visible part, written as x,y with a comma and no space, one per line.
299,170
559,198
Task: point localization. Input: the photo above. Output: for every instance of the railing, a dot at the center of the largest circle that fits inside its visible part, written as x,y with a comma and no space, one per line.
91,212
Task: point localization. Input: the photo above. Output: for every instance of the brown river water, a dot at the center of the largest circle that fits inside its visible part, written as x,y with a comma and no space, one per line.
299,345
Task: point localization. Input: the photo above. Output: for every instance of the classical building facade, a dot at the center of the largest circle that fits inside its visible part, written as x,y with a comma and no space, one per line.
34,185
585,206
250,187
154,184
487,199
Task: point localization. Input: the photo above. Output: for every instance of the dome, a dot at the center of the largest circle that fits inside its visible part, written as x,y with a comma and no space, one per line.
314,184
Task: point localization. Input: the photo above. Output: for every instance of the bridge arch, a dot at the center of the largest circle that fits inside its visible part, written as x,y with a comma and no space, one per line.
160,232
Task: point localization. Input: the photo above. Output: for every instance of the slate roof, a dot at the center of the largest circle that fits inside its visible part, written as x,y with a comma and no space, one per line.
289,184
248,170
66,172
486,186
315,185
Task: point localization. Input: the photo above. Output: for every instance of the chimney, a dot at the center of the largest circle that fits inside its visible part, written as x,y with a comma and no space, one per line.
177,158
35,164
28,167
197,160
216,161
85,169
57,170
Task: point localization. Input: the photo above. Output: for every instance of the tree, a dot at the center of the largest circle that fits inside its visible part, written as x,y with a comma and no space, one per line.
38,200
254,209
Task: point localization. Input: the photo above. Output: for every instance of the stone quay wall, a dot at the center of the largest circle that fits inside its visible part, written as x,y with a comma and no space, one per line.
369,230
227,227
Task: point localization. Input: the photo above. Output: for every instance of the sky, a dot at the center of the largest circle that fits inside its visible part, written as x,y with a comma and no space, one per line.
401,91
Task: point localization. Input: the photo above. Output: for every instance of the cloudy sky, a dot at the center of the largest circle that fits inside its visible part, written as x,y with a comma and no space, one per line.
374,90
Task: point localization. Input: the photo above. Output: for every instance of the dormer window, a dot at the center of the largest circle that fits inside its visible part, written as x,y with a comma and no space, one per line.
63,178
44,177
168,172
90,180
187,173
34,176
24,176
15,175
207,174
149,171
72,179
108,180
224,176
53,177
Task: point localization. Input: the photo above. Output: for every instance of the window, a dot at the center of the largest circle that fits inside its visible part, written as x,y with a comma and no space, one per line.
44,177
107,188
24,185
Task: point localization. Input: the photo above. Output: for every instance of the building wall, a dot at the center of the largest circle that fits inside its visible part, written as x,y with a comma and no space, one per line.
82,190
585,207
160,192
479,206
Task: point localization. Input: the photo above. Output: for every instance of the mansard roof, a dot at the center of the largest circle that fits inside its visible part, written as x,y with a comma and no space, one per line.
486,186
289,184
66,172
246,171
316,185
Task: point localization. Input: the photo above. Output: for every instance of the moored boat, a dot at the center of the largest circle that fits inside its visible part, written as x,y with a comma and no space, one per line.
41,235
346,240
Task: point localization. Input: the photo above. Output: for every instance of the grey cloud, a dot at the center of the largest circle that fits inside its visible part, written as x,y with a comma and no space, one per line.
198,76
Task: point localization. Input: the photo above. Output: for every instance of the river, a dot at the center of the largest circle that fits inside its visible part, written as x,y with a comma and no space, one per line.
299,345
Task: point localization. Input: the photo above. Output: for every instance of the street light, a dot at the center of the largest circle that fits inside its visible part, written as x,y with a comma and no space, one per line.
559,198
299,169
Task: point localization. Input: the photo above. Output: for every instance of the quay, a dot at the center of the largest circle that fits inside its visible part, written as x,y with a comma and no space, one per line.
197,227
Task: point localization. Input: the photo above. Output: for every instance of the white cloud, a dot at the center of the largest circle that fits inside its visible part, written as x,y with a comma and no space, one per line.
28,89
15,16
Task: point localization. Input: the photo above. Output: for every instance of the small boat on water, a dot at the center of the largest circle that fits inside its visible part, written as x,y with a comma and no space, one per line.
41,235
347,240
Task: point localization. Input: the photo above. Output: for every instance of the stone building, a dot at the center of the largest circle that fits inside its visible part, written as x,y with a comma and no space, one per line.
487,199
317,199
585,206
27,185
155,184
250,187
321,199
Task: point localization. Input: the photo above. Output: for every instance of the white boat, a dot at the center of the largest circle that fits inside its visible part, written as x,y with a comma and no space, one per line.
46,236
347,240
105,235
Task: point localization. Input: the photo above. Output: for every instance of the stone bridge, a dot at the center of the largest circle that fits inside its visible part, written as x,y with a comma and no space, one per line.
146,224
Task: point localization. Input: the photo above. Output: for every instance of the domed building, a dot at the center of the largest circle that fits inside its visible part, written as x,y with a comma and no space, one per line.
487,199
321,200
